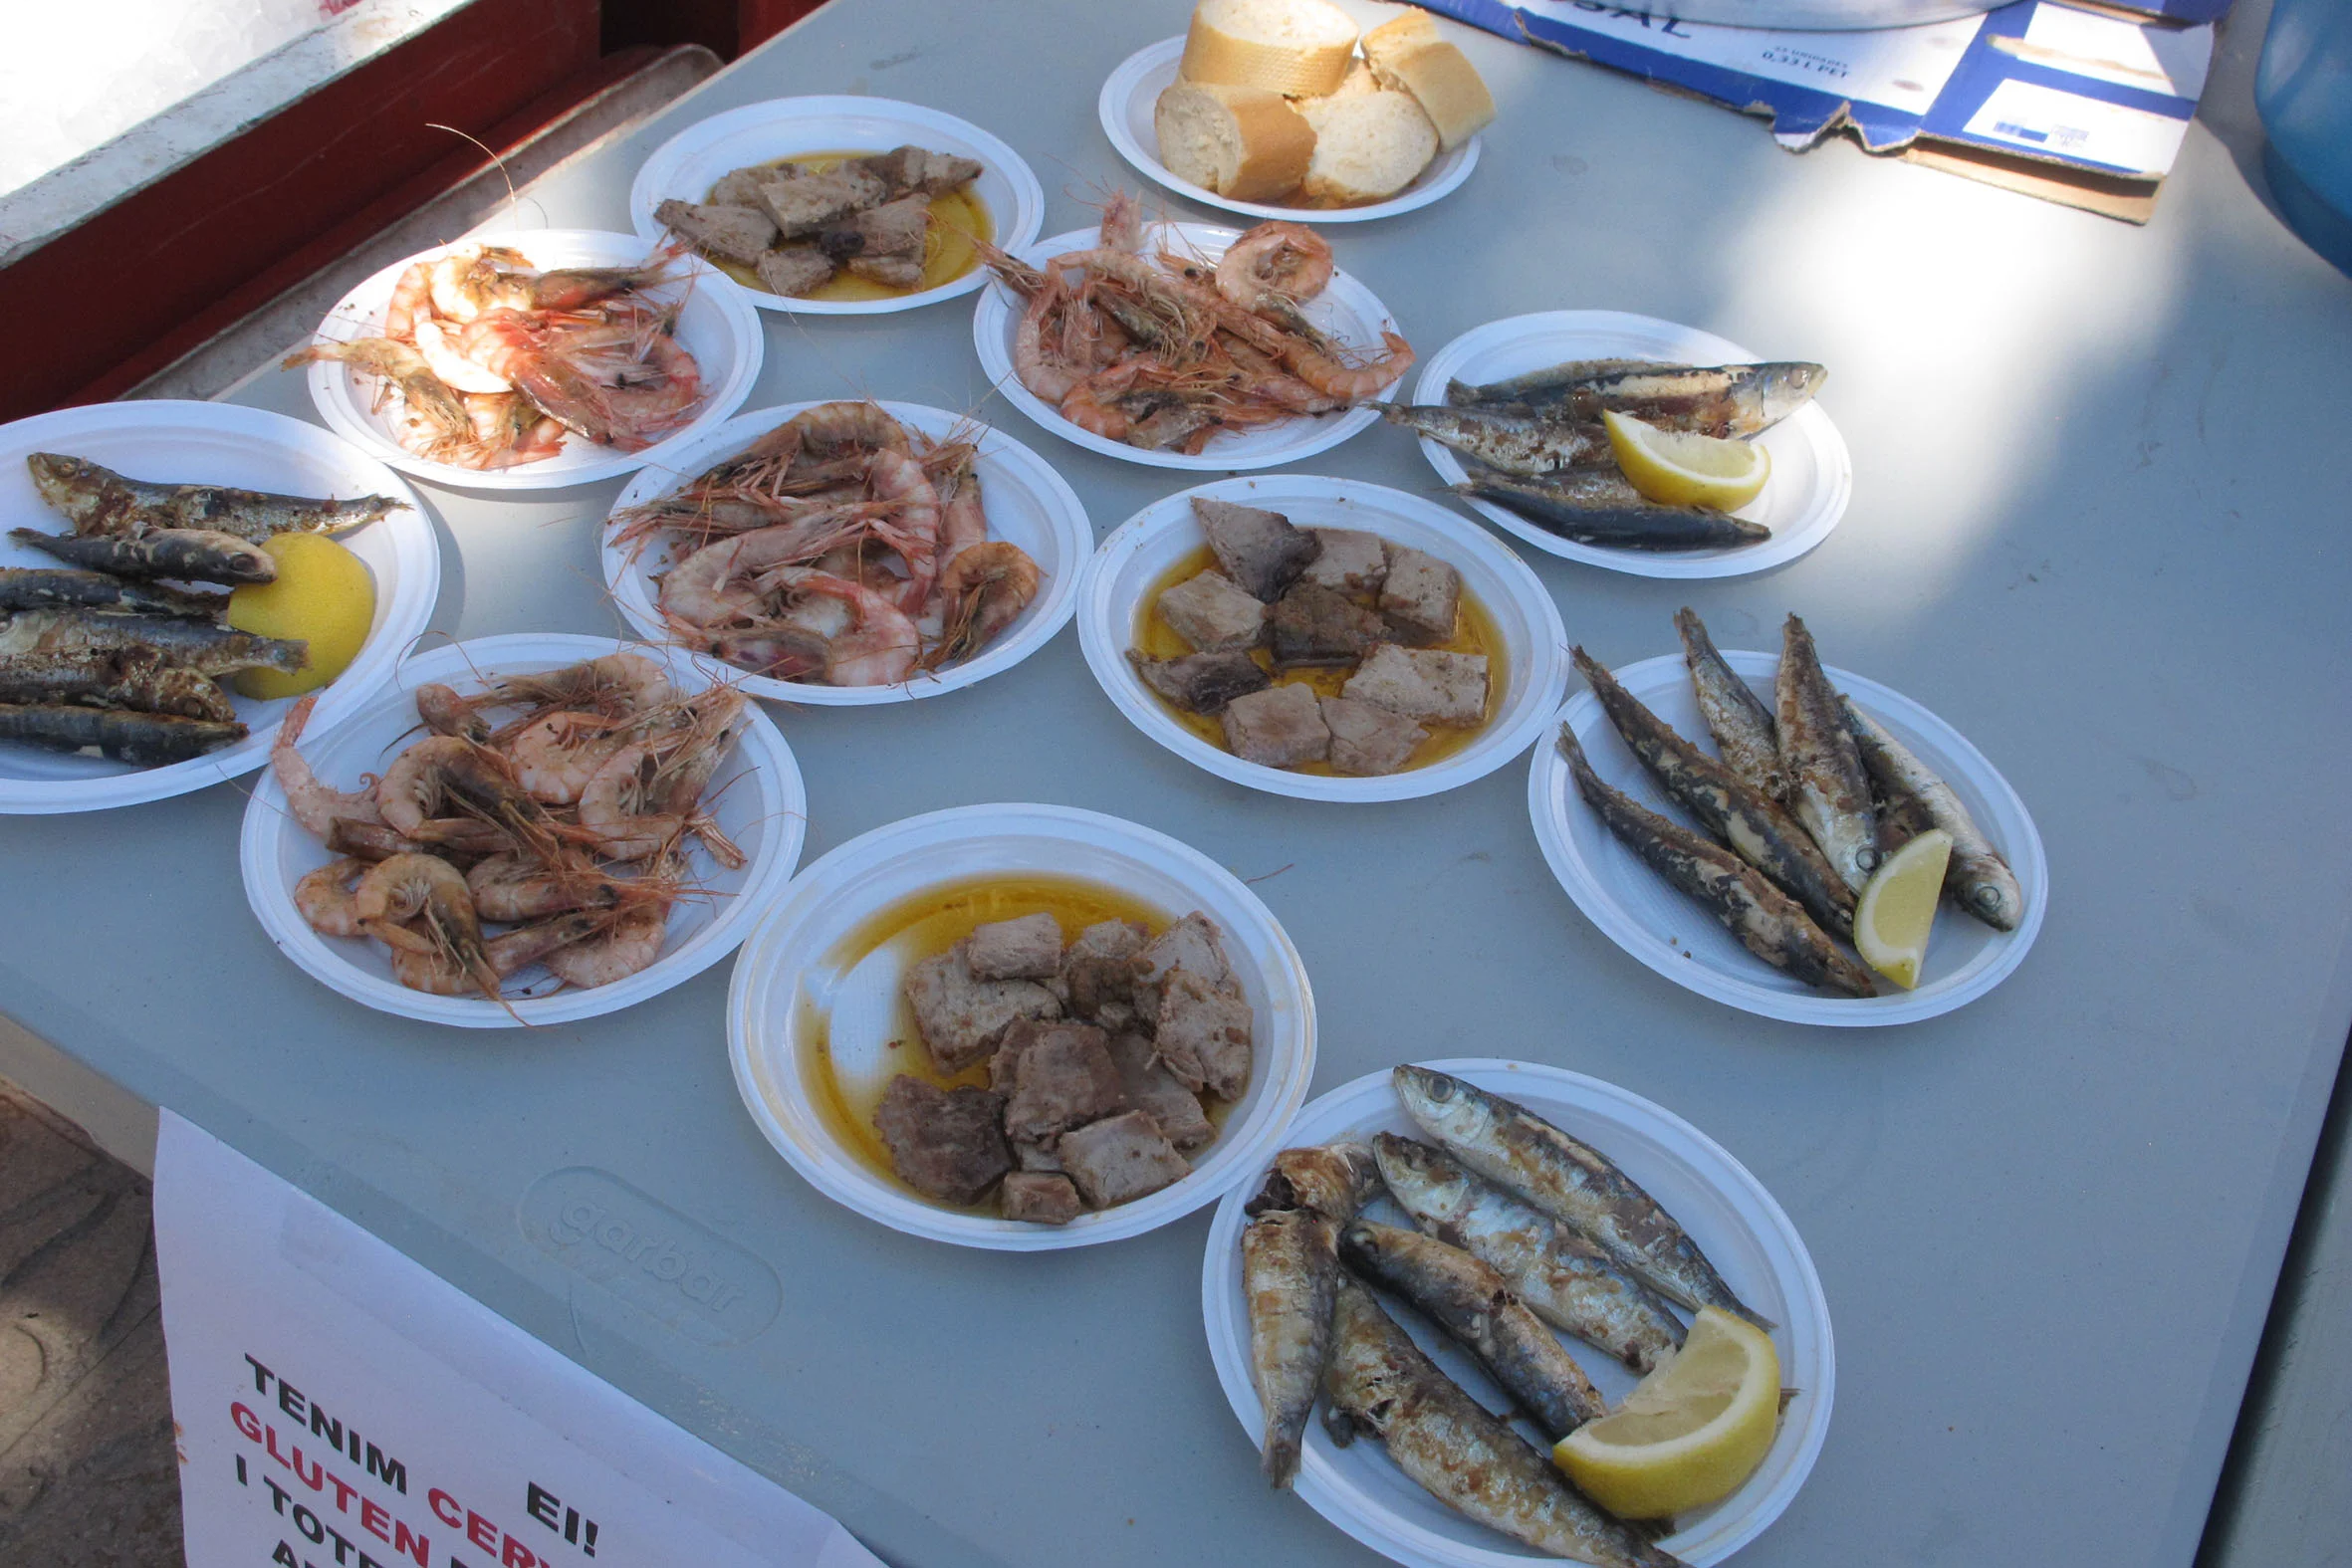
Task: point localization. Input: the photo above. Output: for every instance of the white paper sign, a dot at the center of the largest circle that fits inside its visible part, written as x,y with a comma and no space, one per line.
341,1407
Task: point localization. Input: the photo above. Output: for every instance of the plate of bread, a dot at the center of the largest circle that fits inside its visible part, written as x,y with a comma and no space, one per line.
1275,108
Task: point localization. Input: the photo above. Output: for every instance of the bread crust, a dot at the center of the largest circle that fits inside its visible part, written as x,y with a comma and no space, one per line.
1409,56
1274,142
1214,52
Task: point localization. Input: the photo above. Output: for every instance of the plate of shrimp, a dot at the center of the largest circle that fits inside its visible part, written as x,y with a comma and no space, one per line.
850,553
524,830
533,360
1188,346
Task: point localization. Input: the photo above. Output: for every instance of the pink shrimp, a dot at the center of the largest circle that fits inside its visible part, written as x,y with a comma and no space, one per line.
712,589
313,803
865,638
1331,376
1038,356
1278,258
984,591
622,382
411,302
963,517
912,529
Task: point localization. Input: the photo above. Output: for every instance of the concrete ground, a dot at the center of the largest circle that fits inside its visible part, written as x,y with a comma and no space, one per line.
88,1474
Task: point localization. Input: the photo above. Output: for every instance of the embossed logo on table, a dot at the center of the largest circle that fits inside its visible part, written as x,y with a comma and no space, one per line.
649,1254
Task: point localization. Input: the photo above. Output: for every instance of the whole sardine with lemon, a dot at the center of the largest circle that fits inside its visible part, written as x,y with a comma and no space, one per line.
1568,1178
1380,1382
1978,880
1764,920
96,500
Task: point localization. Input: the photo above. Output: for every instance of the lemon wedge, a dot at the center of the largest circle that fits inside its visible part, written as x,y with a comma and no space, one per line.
1898,907
323,595
1679,470
1690,1433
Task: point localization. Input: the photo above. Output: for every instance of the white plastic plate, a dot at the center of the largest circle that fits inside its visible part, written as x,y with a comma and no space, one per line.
690,162
756,795
716,327
788,982
1132,91
1812,475
174,442
1676,937
1028,504
1149,543
1346,310
1736,1222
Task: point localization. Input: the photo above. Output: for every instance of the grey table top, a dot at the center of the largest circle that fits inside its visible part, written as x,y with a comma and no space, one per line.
2090,528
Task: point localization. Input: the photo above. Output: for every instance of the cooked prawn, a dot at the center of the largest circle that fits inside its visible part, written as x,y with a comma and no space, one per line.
984,591
557,754
313,805
1274,258
323,898
626,944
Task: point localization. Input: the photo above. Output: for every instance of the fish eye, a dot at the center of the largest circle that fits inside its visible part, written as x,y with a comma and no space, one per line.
1988,899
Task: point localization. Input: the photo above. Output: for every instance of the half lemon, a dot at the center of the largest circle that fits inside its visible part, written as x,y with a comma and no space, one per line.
1690,1433
1681,470
1897,909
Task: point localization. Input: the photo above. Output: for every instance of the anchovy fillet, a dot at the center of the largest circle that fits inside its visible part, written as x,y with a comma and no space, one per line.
100,501
1289,1268
44,588
1730,400
199,645
194,554
1741,725
142,739
1335,1179
1564,1279
1511,443
1599,506
1568,1178
1827,788
1381,1382
1767,922
1761,833
1978,880
1469,1301
124,678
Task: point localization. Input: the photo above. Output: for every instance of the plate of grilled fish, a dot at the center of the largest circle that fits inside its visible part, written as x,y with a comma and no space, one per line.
1510,415
130,525
1443,1241
1735,871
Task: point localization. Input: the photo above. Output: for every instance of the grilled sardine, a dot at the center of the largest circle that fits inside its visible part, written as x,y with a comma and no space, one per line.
1289,1267
1381,1382
1758,829
1827,788
1568,1178
1335,1179
1599,506
1767,922
1471,1301
1978,880
100,501
1565,1279
1738,719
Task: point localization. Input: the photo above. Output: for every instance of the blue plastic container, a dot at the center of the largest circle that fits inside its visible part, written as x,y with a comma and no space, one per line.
2303,90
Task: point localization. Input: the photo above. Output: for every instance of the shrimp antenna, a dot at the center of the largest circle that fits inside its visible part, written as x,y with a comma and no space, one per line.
497,161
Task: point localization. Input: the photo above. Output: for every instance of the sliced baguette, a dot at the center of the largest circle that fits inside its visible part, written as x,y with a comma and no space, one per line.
1299,48
1238,141
1368,147
1408,55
